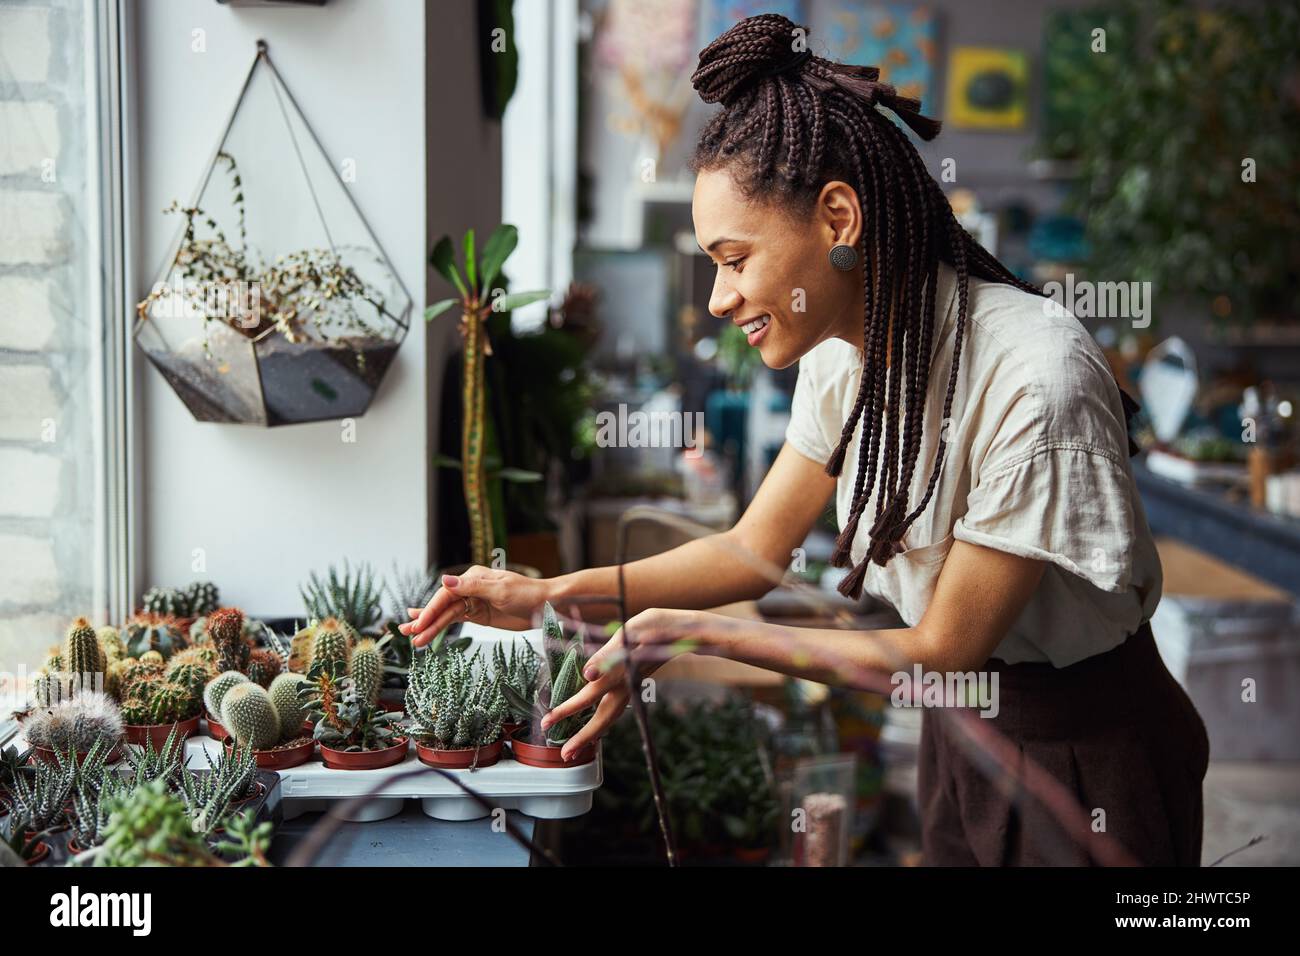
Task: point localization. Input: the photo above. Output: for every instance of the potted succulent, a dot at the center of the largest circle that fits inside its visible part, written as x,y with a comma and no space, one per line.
40,795
26,845
565,661
90,801
348,595
157,703
77,725
214,795
518,671
268,722
456,709
354,733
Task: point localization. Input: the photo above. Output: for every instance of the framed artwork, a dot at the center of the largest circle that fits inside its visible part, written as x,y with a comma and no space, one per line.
988,88
898,38
721,15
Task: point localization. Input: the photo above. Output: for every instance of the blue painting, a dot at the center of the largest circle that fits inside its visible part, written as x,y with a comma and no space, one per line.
721,15
900,39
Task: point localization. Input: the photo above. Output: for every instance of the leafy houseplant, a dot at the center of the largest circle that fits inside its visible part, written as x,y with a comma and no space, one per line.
478,297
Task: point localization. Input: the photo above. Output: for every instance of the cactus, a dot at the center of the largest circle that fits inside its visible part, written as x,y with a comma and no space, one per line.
76,723
82,658
203,598
251,718
154,632
153,657
453,701
300,650
263,666
112,645
343,719
518,671
367,670
285,696
50,687
350,596
565,661
216,690
331,646
190,674
226,632
166,601
171,703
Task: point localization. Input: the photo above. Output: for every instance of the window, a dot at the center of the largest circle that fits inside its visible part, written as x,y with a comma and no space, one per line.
63,331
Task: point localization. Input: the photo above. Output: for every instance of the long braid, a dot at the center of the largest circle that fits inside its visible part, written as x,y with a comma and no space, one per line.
792,122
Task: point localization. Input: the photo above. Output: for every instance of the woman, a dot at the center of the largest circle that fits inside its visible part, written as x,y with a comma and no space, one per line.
976,447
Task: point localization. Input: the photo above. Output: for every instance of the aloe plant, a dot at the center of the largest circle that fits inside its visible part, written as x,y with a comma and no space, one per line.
565,661
478,296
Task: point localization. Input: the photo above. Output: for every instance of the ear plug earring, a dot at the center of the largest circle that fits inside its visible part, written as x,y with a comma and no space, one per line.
843,257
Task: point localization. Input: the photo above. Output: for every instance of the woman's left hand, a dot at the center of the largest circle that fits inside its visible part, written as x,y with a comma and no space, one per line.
659,635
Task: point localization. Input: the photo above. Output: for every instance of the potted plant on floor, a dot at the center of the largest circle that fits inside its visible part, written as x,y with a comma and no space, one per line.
270,723
354,733
456,709
562,678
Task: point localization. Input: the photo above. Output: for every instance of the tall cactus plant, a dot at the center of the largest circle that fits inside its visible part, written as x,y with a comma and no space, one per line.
478,296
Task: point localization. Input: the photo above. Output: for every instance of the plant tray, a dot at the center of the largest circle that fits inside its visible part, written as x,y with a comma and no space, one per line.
549,794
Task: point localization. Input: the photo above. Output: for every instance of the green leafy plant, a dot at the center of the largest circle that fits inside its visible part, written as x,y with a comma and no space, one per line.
518,671
344,718
565,660
453,702
478,297
350,595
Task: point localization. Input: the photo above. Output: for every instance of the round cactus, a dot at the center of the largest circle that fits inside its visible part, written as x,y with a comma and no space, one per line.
166,601
263,665
112,645
203,597
172,702
82,656
215,692
226,632
250,717
191,675
154,632
137,713
286,696
300,650
331,647
204,656
367,670
53,659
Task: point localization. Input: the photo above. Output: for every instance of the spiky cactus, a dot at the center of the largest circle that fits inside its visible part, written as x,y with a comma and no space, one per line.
453,702
204,598
154,632
263,665
166,601
248,713
331,647
76,723
82,657
217,688
350,595
190,674
367,670
226,631
171,703
111,643
285,696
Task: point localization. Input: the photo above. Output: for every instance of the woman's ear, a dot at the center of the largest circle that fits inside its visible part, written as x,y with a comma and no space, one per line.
840,212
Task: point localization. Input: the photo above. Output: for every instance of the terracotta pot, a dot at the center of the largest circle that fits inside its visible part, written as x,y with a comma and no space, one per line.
259,789
73,846
42,851
46,755
509,727
281,759
533,755
459,759
752,855
140,734
308,728
215,730
363,759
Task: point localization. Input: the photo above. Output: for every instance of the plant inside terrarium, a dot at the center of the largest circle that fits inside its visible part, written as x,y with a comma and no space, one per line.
303,295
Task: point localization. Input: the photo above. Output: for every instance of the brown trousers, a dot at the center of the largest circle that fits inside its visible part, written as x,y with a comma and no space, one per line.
1116,729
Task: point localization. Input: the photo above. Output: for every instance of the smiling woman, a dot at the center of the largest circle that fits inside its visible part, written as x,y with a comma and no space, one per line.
981,435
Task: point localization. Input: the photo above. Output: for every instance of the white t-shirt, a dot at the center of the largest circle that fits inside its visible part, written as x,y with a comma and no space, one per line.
1037,465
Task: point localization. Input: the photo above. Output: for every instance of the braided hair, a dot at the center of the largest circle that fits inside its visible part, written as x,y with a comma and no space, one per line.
792,122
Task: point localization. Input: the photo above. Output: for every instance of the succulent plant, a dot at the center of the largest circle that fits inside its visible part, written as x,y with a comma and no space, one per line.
47,688
350,595
216,689
90,808
111,643
518,671
77,722
407,589
263,665
209,794
18,848
367,669
41,793
331,647
343,718
162,633
150,826
171,702
285,695
299,657
249,715
226,632
204,598
565,660
12,762
149,763
190,674
82,655
453,702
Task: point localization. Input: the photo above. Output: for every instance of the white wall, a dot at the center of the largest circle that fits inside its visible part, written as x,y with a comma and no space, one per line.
268,505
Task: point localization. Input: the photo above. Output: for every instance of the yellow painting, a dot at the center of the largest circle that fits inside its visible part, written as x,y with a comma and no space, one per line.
987,88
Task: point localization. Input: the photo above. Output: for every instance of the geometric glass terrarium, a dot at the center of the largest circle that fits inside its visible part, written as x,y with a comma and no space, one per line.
275,304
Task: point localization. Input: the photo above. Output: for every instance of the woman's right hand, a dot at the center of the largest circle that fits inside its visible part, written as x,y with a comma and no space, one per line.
482,595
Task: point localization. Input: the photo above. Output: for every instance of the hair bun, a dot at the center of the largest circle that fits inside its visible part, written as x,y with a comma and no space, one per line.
752,50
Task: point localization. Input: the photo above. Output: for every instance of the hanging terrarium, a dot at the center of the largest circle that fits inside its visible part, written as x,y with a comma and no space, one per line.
275,303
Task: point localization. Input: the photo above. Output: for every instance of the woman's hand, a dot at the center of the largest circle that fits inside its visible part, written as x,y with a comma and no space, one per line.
482,595
658,636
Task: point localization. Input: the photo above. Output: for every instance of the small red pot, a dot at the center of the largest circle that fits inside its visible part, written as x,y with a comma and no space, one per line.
261,789
42,851
215,730
141,734
752,855
363,759
281,759
46,755
534,755
509,727
461,758
73,846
